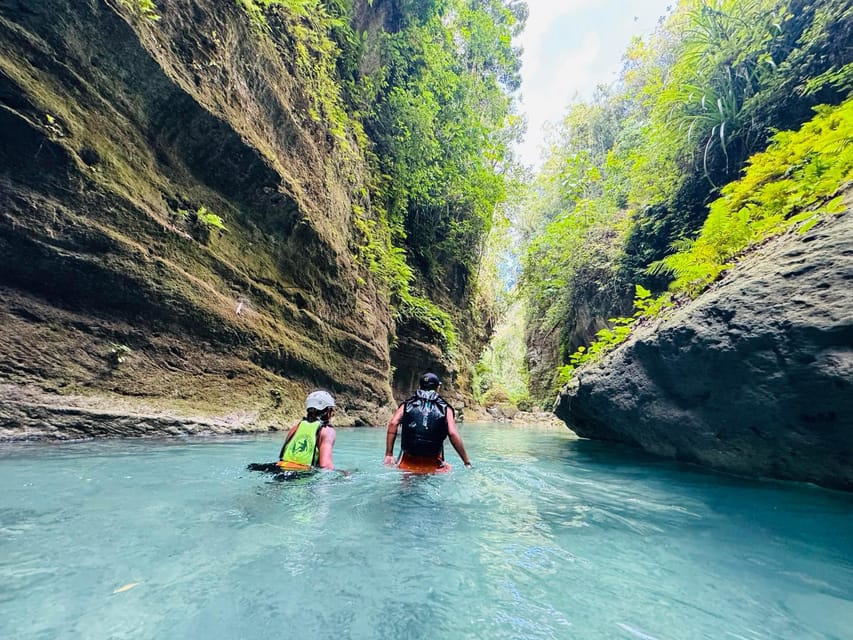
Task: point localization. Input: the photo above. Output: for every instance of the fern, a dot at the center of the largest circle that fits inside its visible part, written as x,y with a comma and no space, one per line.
618,332
795,181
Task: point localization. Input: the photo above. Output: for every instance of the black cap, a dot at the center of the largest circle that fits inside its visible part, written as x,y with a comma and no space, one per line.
429,381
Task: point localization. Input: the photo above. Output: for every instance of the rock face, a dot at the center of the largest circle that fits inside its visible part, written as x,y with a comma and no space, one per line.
602,297
119,137
754,377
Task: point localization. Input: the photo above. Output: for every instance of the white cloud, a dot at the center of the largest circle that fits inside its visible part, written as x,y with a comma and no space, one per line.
542,14
548,89
564,56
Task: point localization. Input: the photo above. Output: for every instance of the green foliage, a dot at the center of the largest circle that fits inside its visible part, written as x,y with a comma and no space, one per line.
435,103
575,251
495,396
723,58
438,111
573,225
841,78
706,91
429,314
428,102
608,338
201,222
575,214
388,264
820,56
501,371
631,171
208,219
255,10
795,181
648,306
143,8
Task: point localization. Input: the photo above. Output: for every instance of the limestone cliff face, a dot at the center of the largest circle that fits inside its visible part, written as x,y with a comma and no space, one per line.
596,295
118,136
754,377
414,351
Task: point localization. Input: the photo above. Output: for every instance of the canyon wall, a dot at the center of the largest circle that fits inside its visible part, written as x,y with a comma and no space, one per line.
178,252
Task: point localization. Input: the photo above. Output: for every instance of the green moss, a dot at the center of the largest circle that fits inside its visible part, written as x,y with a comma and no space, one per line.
142,8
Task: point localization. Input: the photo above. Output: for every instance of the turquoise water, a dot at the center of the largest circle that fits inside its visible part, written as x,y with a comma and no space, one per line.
547,537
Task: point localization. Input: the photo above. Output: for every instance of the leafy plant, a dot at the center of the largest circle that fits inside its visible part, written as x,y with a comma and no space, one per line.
388,263
705,92
208,219
623,195
795,181
607,338
438,108
722,61
143,8
201,222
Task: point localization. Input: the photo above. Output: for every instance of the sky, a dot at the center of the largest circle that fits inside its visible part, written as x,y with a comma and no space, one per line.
570,47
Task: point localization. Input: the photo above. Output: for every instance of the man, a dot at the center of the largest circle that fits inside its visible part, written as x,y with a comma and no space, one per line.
309,443
426,420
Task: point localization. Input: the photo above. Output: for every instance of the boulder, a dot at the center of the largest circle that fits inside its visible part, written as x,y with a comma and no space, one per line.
754,377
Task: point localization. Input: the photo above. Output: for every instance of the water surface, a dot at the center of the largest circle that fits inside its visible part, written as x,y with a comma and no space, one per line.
547,537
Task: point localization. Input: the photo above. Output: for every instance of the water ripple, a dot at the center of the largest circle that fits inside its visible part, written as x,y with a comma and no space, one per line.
546,537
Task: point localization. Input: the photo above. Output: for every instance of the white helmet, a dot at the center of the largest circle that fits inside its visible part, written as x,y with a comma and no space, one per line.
319,400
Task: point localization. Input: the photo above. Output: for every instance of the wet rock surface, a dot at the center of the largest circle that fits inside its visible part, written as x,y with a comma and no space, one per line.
754,377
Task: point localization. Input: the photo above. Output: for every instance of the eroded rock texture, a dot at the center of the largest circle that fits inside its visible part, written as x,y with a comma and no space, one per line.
754,377
115,133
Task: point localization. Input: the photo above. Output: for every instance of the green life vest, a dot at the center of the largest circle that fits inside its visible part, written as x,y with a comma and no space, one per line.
302,448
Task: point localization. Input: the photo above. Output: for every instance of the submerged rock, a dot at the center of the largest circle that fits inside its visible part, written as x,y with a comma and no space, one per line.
755,377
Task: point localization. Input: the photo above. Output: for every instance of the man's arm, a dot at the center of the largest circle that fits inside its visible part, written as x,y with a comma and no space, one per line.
455,438
327,443
391,434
